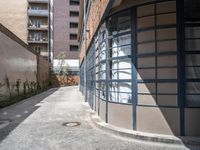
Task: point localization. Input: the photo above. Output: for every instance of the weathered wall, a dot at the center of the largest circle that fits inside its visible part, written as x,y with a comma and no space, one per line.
59,80
13,15
43,71
19,65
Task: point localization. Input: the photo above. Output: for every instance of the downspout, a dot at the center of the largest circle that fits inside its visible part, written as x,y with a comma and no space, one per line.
84,39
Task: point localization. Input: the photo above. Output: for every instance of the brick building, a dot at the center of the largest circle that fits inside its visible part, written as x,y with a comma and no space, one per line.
65,29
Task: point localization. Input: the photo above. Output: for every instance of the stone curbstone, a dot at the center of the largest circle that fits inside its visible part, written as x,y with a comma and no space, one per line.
143,136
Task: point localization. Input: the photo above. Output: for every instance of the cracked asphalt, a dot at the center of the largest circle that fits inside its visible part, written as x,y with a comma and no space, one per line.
36,124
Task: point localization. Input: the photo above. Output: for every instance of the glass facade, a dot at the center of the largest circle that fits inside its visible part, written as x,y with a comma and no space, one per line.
192,53
135,63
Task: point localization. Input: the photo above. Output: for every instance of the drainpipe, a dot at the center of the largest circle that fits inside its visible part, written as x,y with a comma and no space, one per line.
84,38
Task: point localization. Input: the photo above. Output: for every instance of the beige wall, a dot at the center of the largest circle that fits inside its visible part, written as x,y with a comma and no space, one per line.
16,63
120,115
13,15
158,120
192,121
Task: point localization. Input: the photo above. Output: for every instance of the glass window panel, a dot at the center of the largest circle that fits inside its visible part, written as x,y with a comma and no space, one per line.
146,74
102,56
193,100
166,46
120,97
165,19
168,61
121,51
192,32
146,22
102,66
193,87
146,36
166,7
146,48
103,95
121,40
121,64
192,72
192,45
166,34
102,75
146,62
192,60
121,74
120,87
119,23
168,88
145,10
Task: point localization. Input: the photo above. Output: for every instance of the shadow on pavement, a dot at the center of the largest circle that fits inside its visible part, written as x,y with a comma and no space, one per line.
18,112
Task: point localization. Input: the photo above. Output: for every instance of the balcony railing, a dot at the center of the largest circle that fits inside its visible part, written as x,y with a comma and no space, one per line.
38,12
38,1
37,40
42,27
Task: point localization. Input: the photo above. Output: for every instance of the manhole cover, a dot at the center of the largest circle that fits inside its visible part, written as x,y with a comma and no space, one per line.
71,124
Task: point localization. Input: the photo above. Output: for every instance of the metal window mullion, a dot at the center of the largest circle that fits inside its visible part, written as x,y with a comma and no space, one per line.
181,63
134,65
156,56
107,73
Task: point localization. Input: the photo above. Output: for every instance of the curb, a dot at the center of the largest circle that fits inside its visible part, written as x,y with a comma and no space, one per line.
143,136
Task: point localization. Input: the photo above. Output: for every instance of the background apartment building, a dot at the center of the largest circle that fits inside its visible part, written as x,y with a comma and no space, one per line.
30,21
38,26
49,26
65,24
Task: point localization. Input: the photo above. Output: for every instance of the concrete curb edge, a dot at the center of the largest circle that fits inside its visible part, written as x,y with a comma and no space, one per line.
150,137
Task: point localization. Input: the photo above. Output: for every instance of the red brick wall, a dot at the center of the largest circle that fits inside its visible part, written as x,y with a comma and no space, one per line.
43,70
97,10
62,30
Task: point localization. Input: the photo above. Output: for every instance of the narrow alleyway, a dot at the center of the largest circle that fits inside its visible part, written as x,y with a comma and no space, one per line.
36,124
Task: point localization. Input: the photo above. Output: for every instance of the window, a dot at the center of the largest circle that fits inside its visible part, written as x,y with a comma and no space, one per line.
73,47
156,54
74,13
73,25
73,36
37,49
74,2
119,58
192,52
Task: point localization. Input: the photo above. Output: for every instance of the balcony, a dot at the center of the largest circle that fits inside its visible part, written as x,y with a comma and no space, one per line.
38,12
41,28
37,40
38,1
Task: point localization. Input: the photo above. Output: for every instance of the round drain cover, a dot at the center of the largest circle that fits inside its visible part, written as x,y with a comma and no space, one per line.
71,124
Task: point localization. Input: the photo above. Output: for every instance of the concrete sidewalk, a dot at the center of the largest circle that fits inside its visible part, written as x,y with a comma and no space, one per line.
37,124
